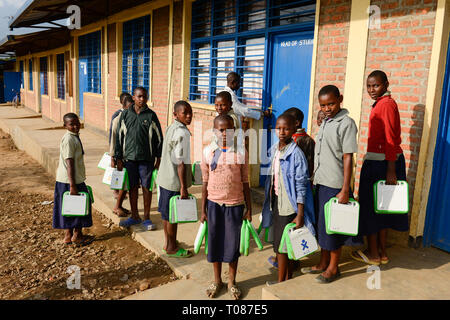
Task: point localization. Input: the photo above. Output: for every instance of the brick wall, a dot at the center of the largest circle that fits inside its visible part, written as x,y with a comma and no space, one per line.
334,25
113,81
94,110
160,60
401,48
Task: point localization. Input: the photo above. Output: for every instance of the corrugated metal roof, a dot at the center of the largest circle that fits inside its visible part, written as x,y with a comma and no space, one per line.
35,12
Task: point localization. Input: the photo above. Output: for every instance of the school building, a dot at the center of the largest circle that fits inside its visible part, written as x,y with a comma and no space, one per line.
285,52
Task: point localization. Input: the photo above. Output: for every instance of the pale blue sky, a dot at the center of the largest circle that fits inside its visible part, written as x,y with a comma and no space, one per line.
9,8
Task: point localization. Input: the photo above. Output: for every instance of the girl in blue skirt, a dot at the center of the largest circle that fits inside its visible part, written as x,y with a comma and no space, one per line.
70,176
384,160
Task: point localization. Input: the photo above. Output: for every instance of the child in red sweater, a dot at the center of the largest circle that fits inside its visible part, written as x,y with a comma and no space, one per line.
384,160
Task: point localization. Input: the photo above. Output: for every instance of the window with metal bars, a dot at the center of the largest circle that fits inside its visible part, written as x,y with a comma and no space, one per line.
21,74
136,54
43,65
30,74
60,76
231,36
90,49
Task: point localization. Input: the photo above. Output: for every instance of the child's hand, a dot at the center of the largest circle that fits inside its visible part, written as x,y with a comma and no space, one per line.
157,163
203,217
73,191
391,177
248,215
184,194
119,165
299,221
343,196
113,162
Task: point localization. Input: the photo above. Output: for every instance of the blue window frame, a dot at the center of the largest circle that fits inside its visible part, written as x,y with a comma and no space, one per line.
90,50
43,65
232,35
60,76
30,74
21,73
136,54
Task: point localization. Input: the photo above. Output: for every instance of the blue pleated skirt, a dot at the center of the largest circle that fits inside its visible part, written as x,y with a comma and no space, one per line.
371,222
61,222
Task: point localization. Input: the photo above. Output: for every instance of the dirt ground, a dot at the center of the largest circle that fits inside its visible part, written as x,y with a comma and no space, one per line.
34,261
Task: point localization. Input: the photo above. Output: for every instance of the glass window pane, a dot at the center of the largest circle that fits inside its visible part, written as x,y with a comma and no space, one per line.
200,72
224,17
253,72
201,19
287,12
224,63
252,15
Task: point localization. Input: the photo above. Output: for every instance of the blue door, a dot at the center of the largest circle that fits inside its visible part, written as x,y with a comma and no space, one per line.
11,84
83,83
290,78
437,224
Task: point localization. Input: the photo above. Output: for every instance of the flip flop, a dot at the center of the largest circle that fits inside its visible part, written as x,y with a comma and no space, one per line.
384,260
322,279
271,260
129,222
361,257
181,253
148,225
310,270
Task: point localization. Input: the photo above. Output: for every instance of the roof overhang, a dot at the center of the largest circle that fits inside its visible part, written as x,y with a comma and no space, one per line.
36,12
34,42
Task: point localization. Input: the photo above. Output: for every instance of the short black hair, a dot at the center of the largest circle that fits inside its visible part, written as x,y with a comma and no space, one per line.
179,104
330,89
225,95
141,89
223,117
378,74
127,98
297,114
123,95
69,116
288,118
233,76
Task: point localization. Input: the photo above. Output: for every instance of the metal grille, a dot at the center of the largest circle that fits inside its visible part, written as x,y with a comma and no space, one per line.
21,74
60,76
90,49
232,35
43,65
30,74
136,54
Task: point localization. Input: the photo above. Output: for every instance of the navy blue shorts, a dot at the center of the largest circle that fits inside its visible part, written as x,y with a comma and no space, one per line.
164,201
139,172
224,232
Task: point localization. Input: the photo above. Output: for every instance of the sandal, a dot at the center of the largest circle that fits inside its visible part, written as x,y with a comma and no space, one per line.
148,225
181,253
272,261
234,292
361,257
322,279
213,289
310,270
129,222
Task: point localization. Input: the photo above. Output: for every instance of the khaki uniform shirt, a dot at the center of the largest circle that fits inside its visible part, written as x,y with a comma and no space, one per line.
70,148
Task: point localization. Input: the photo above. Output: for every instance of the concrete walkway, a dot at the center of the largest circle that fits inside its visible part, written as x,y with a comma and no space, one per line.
412,273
